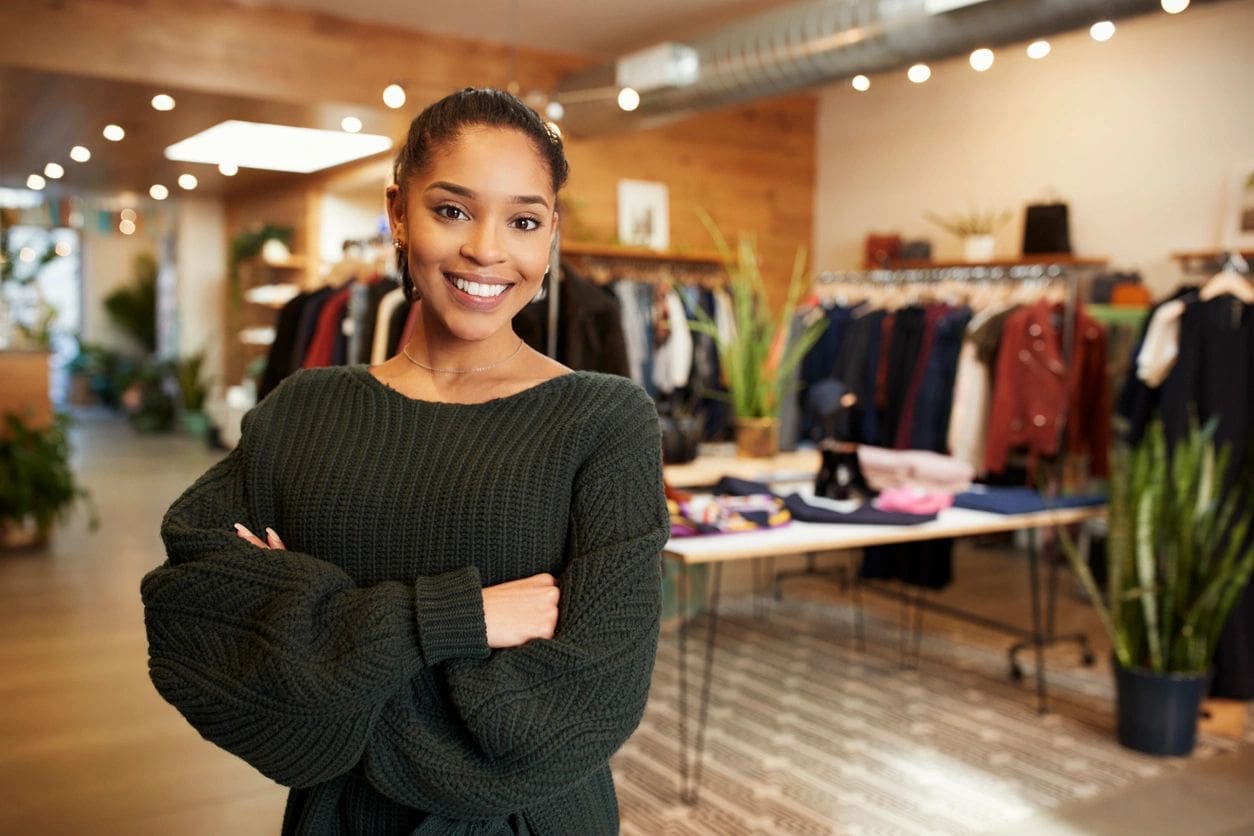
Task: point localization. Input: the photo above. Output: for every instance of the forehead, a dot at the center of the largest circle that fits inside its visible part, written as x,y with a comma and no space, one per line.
488,160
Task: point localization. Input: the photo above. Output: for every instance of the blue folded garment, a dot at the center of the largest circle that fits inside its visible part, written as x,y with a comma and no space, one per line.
1009,500
803,511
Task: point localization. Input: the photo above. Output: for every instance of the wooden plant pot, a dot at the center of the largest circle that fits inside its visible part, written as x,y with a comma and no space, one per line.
757,438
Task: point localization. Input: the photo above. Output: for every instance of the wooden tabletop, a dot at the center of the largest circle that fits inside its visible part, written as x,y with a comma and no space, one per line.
705,471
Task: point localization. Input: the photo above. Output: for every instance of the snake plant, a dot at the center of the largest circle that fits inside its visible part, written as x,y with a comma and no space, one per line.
1178,552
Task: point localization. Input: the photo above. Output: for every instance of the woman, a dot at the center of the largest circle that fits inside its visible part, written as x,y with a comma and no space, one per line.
451,622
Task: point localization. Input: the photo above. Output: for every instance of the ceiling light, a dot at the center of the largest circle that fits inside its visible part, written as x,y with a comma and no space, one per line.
1174,7
127,227
919,73
128,214
394,96
159,192
861,83
54,171
1038,50
228,169
628,99
275,147
162,102
1102,31
555,110
79,154
114,133
63,248
27,254
188,181
981,59
351,124
35,182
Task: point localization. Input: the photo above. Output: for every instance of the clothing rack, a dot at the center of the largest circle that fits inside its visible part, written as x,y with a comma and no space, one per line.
1042,633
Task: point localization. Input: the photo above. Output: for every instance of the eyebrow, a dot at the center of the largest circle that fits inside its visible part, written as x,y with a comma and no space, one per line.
470,195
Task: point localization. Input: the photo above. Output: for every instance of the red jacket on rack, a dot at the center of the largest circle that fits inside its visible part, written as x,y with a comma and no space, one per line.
1033,390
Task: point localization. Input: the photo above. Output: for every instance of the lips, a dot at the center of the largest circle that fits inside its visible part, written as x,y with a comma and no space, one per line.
480,293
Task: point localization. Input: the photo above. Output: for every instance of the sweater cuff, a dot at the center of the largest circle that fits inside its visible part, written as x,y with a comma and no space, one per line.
449,614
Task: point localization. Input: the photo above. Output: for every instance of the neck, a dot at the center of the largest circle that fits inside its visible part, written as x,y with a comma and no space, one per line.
433,346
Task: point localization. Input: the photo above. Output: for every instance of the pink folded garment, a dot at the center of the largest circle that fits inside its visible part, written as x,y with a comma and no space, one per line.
923,469
913,501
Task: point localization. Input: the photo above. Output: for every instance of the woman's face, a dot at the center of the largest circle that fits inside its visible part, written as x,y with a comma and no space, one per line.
477,222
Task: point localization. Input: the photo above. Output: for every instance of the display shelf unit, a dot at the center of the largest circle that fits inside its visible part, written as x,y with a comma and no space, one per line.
1200,261
261,289
607,262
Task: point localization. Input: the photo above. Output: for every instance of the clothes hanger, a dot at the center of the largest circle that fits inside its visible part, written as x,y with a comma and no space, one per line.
1231,280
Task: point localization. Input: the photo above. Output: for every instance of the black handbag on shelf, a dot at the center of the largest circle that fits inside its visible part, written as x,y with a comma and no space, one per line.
1046,229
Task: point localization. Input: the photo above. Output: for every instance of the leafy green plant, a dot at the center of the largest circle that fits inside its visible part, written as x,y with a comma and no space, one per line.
1175,559
36,481
133,308
757,361
192,388
971,223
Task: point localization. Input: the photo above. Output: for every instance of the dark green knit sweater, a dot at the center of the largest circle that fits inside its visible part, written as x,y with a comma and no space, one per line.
354,666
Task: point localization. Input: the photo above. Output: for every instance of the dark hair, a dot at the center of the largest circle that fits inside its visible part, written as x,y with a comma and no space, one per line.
473,106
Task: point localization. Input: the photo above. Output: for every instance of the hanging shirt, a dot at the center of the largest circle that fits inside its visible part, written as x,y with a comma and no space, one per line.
672,361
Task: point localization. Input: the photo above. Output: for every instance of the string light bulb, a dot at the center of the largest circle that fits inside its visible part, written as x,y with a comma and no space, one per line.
114,133
1174,7
188,182
628,99
79,154
919,73
394,96
35,182
1038,50
54,171
228,169
162,102
555,110
158,192
351,124
982,59
860,83
1102,31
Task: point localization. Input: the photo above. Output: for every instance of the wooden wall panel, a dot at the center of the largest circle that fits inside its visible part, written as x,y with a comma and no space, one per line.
257,51
750,167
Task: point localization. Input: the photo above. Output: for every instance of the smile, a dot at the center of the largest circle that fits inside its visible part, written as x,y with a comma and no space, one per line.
481,290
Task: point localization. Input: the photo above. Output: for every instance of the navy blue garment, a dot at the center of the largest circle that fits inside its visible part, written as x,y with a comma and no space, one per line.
927,563
821,358
867,419
930,430
1019,500
855,368
903,354
802,511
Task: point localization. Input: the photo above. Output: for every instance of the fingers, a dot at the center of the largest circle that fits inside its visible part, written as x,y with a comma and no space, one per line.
272,540
248,536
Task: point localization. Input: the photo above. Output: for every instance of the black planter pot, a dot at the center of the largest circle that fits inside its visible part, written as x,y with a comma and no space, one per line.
1158,713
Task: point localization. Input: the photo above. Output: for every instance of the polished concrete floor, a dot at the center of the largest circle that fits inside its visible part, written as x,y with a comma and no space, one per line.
87,746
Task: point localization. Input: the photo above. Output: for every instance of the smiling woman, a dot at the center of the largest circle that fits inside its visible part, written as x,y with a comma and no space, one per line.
451,621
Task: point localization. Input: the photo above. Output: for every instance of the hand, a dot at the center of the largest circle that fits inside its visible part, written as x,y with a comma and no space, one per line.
518,611
272,540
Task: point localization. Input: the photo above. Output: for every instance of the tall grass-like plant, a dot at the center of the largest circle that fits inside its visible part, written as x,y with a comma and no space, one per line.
757,361
1177,555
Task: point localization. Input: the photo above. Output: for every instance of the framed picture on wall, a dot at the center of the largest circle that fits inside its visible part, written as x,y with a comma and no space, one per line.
644,214
1239,219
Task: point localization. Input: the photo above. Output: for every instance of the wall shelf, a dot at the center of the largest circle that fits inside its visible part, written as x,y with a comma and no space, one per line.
616,251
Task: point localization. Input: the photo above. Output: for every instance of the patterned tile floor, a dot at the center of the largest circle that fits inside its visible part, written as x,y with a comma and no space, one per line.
807,735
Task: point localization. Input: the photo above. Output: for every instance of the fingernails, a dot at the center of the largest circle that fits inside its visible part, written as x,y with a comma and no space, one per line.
239,527
270,531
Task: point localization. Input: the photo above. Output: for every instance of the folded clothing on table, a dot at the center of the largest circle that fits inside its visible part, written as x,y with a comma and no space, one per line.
702,514
804,511
1017,500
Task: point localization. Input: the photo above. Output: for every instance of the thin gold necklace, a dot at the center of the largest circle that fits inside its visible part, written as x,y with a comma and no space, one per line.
419,363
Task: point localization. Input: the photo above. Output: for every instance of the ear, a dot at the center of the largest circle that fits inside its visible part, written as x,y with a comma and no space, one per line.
396,210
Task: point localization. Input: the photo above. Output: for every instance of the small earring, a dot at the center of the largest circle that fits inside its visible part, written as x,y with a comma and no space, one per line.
398,244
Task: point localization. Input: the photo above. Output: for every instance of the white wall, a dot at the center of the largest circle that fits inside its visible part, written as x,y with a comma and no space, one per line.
1141,135
348,216
201,254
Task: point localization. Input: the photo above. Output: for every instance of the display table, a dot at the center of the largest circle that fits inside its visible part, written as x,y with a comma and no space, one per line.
808,538
705,471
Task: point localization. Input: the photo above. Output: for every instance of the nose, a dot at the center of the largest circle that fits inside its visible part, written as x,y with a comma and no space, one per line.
483,244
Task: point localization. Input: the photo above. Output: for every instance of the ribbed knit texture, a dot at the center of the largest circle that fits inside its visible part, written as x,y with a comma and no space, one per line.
354,667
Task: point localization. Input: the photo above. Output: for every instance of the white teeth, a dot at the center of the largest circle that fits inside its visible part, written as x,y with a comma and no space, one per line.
486,291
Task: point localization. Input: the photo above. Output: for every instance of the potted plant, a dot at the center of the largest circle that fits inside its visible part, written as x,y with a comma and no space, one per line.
1177,558
757,359
37,485
192,394
975,229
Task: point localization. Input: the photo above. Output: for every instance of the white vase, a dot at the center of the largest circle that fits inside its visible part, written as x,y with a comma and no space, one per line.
978,247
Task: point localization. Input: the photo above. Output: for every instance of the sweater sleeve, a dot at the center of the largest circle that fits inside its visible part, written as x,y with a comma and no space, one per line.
277,656
535,720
